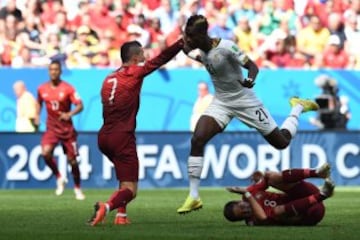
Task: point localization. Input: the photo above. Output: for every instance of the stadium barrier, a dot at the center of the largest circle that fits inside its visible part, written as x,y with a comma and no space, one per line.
173,92
230,159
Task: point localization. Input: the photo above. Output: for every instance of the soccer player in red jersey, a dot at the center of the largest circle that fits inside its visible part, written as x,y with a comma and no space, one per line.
58,97
300,202
120,96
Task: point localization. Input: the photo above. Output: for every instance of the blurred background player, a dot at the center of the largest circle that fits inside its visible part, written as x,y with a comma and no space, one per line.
120,97
58,97
233,98
25,109
202,102
299,203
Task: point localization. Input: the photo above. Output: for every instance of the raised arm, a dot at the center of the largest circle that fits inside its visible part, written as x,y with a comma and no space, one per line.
258,211
163,57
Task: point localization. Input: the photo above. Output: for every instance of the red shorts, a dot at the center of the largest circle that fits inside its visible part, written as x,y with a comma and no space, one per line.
302,189
120,149
313,214
69,145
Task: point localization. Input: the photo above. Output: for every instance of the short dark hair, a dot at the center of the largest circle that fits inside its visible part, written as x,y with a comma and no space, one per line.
128,50
55,62
229,212
197,24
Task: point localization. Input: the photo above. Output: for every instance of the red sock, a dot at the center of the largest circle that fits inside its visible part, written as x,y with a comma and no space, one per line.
294,175
121,211
76,174
120,198
300,206
52,165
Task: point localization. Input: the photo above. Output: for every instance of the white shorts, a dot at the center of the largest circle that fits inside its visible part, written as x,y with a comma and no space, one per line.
257,117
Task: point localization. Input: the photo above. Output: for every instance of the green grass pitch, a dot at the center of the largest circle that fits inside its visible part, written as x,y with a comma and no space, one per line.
39,214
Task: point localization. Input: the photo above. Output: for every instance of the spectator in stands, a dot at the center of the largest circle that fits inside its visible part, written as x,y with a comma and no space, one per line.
334,55
354,8
306,20
138,33
25,109
108,53
245,38
50,11
54,50
336,27
220,30
22,59
11,9
283,13
120,31
100,16
157,37
282,56
266,21
32,37
61,28
166,15
313,38
353,38
82,49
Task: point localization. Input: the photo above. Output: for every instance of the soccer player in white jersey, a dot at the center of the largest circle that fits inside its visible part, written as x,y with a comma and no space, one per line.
233,98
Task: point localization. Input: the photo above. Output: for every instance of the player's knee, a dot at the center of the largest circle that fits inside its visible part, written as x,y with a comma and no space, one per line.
280,145
72,162
198,142
46,155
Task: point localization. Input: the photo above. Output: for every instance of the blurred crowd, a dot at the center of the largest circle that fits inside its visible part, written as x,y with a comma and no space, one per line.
88,33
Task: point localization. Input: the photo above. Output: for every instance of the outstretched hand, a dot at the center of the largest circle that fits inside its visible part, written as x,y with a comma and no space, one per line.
238,190
64,116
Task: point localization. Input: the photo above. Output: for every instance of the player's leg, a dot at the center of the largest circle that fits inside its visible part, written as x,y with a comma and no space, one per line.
281,138
71,151
124,158
313,215
295,175
300,206
121,197
206,128
48,143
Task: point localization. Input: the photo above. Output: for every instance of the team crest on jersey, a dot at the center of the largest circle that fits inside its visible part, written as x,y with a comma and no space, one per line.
61,94
235,48
76,95
258,195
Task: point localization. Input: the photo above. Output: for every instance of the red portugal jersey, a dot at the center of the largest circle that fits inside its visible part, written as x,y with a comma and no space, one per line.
58,99
268,201
120,92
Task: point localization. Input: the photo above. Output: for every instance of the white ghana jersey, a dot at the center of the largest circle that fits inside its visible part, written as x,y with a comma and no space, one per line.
224,64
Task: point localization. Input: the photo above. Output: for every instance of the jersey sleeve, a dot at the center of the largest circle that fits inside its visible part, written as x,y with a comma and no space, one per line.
74,95
162,58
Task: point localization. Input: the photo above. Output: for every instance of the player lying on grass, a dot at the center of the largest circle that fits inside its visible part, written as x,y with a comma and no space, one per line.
299,203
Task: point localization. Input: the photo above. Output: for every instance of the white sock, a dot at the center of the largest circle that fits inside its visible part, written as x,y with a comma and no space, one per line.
291,123
107,208
195,165
296,110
